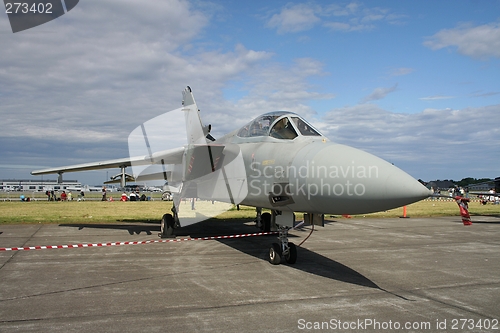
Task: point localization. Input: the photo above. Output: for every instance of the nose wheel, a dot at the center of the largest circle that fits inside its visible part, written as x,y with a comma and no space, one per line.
275,254
283,250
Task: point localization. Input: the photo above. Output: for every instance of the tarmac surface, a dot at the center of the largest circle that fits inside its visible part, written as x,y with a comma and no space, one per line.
353,275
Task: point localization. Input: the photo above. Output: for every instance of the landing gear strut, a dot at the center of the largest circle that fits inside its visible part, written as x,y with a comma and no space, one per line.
283,250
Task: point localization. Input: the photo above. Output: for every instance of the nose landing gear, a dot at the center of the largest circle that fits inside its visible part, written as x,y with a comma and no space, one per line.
283,250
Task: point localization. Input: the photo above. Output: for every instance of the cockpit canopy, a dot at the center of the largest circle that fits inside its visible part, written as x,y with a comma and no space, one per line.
280,125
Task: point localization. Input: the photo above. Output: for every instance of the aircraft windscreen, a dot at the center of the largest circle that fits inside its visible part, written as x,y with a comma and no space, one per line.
261,126
258,126
304,128
283,129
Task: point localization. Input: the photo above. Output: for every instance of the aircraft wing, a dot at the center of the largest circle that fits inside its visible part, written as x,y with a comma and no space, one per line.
171,156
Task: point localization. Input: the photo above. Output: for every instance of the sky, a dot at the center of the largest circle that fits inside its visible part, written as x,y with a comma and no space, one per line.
416,83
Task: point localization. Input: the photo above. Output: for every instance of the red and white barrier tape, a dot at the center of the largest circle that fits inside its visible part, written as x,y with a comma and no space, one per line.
70,246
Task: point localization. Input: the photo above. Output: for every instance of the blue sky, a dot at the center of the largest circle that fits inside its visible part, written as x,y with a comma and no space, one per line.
414,82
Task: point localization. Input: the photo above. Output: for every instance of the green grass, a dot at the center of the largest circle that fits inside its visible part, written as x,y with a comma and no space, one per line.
79,212
42,211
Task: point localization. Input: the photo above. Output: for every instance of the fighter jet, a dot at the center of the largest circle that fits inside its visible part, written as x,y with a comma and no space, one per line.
278,162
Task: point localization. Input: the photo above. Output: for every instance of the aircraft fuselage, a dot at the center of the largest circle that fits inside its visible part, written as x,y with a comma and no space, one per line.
312,174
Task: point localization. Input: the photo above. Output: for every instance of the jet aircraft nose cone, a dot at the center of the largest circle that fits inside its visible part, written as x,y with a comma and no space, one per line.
345,180
400,186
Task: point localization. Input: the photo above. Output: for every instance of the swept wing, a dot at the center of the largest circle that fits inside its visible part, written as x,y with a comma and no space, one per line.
172,156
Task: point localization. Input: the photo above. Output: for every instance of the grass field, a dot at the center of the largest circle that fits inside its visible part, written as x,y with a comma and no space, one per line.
41,211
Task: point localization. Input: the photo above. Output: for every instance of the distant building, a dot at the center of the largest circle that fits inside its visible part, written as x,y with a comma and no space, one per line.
440,184
38,185
482,186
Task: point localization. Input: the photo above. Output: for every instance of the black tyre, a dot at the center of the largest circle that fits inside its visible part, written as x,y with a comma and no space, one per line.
291,257
266,222
167,226
275,254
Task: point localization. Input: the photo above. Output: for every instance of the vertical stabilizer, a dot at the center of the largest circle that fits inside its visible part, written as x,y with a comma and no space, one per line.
194,127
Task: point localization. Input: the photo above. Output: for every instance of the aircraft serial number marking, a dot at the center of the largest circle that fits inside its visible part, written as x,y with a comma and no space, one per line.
24,8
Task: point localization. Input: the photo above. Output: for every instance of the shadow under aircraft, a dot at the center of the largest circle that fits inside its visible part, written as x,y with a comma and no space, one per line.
313,263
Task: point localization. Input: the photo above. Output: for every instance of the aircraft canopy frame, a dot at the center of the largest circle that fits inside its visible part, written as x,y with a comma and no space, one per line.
279,125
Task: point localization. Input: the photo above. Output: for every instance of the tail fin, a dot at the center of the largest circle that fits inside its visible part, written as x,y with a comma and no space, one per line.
194,127
208,170
195,140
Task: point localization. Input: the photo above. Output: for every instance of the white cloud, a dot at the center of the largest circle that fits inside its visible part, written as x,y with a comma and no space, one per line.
487,94
437,139
379,93
346,18
339,10
357,17
73,89
353,25
295,18
98,73
402,71
95,64
273,87
374,14
435,97
478,42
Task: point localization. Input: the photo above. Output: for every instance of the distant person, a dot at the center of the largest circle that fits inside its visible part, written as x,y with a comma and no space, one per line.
434,193
70,196
103,194
492,196
52,195
143,197
47,193
81,196
124,197
132,196
64,196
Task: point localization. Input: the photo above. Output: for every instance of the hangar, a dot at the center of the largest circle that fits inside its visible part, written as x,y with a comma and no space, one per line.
37,185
